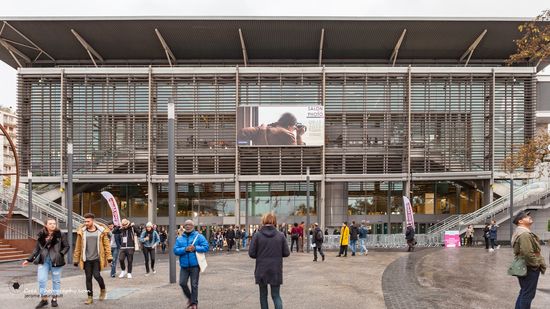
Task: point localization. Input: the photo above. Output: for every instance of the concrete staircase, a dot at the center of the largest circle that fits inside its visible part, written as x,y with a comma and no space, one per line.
9,253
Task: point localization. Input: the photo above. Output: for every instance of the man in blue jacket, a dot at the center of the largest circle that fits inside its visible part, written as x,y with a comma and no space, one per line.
186,245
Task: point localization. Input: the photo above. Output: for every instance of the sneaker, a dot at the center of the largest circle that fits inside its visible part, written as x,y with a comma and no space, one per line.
112,275
323,258
122,274
491,250
129,276
147,274
498,247
43,303
154,271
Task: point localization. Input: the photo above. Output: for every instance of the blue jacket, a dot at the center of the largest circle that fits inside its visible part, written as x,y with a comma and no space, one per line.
151,242
189,259
493,232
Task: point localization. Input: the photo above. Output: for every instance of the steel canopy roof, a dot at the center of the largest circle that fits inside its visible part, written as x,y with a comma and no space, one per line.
128,41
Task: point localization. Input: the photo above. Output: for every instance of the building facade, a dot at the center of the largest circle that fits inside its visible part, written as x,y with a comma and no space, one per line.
7,159
423,126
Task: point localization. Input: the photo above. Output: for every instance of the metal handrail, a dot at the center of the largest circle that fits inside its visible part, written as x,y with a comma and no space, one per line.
521,196
4,225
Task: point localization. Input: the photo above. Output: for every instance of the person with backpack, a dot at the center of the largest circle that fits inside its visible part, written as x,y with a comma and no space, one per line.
317,242
49,254
353,236
409,236
363,231
150,239
486,234
294,236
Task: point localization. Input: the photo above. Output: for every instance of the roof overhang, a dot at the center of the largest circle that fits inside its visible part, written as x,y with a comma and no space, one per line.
207,40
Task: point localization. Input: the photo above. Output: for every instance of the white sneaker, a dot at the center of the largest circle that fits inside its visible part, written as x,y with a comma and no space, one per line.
154,271
122,274
498,247
146,274
129,276
491,250
237,250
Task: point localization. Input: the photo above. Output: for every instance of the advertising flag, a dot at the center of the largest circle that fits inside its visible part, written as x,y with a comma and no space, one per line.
114,207
409,216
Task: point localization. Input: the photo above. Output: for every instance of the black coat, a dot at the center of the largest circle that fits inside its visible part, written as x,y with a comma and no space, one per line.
314,240
268,247
353,232
56,248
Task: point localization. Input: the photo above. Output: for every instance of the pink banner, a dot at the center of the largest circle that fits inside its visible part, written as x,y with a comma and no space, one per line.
114,207
409,216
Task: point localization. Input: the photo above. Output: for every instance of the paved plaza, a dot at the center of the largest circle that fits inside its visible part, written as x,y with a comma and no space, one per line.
427,278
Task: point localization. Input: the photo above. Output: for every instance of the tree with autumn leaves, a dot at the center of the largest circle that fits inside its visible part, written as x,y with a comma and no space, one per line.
533,47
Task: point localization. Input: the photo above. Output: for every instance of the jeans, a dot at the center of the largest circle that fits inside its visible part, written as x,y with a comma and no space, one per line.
126,254
149,252
43,271
528,288
275,295
353,244
163,246
244,242
318,247
185,274
114,252
493,244
91,268
363,245
292,242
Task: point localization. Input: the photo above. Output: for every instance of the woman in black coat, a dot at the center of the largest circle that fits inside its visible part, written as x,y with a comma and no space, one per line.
49,255
268,247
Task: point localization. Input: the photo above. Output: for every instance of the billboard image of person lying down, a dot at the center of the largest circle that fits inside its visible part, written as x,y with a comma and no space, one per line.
280,126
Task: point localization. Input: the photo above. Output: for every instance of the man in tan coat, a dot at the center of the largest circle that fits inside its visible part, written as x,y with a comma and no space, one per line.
92,253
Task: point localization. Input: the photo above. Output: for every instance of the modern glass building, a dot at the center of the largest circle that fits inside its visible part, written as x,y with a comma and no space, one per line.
421,108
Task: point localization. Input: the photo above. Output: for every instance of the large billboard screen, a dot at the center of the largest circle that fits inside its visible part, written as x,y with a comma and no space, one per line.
300,125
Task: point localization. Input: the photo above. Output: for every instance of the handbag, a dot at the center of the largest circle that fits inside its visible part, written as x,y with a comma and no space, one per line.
201,257
518,267
136,241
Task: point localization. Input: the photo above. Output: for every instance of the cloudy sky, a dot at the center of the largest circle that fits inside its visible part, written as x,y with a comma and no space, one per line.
295,8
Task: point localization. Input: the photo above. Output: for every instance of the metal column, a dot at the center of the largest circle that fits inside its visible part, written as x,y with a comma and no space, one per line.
70,201
171,191
29,184
306,237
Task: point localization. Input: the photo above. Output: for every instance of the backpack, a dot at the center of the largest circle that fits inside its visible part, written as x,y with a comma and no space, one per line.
319,236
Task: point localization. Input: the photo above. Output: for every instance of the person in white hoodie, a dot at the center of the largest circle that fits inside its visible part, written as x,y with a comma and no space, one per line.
527,245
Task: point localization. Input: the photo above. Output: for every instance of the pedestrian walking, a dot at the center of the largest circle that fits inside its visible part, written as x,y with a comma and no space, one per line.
294,236
486,234
317,242
344,240
230,237
186,247
469,236
150,239
269,247
493,236
409,236
127,247
527,246
115,247
163,238
301,237
363,232
238,238
49,255
353,236
92,253
245,237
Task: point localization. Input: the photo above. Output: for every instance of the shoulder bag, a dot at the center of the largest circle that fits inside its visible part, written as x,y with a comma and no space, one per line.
201,257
